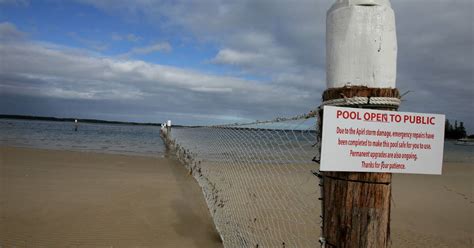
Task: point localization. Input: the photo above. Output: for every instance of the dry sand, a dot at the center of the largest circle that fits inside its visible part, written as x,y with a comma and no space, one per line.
428,211
76,199
73,199
434,211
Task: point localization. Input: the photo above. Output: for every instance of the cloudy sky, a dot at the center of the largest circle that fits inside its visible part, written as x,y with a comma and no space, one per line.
209,62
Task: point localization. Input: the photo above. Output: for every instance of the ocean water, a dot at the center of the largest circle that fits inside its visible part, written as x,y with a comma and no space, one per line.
102,138
458,153
145,140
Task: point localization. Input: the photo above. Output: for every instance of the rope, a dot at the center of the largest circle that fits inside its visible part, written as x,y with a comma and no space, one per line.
358,100
311,114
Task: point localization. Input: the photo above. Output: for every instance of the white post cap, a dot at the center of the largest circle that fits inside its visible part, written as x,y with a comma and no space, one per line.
361,44
361,2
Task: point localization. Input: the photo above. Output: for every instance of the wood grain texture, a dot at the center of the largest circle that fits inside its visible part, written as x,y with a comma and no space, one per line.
356,205
356,212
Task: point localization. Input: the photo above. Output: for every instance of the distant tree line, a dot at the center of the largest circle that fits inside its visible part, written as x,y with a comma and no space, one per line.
47,118
454,132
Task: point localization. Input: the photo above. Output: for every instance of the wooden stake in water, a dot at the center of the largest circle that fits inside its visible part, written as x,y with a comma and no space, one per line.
361,51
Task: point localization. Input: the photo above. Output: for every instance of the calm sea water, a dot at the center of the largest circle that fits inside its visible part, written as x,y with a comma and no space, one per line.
137,140
102,138
458,153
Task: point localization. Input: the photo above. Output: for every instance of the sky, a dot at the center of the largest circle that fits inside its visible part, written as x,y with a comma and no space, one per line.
212,61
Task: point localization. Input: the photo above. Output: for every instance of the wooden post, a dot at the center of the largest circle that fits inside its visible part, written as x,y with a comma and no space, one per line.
361,62
356,205
357,209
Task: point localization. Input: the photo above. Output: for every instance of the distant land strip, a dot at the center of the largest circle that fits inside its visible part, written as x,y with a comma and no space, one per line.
47,118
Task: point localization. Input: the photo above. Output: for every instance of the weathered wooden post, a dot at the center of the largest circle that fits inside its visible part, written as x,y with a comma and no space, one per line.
361,54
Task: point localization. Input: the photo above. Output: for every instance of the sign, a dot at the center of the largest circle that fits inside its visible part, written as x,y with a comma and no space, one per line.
365,140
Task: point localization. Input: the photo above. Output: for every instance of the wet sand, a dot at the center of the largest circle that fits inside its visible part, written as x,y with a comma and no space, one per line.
77,199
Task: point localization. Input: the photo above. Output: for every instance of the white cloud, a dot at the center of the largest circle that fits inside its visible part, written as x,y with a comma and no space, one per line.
128,37
116,37
280,41
93,44
15,2
208,89
232,57
157,47
38,70
133,38
63,71
9,32
284,42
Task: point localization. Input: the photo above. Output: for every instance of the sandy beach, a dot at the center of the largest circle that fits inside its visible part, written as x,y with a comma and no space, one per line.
78,199
434,210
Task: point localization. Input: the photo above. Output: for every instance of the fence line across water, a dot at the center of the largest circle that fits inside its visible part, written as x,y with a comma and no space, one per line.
256,178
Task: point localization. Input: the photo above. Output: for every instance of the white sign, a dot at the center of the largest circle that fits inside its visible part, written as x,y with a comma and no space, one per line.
367,140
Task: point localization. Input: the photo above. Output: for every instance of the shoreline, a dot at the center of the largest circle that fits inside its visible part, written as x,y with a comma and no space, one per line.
105,152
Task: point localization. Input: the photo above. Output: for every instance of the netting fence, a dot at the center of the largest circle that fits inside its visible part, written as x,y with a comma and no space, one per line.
256,179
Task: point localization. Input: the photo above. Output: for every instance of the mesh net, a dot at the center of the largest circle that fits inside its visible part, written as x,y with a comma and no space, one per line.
256,179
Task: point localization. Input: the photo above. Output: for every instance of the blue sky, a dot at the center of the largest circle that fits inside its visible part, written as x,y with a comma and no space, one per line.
212,61
84,26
